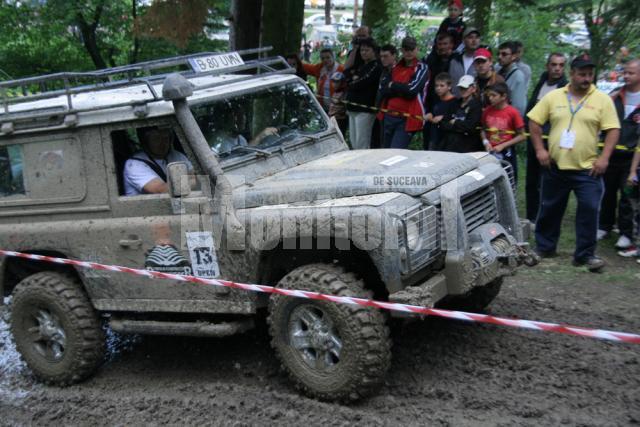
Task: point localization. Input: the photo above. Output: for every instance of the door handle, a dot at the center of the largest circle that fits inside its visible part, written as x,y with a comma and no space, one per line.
131,242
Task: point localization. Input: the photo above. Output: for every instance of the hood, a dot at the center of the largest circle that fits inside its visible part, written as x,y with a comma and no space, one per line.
358,173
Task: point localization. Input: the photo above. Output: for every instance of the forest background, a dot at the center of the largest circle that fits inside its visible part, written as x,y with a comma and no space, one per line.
47,36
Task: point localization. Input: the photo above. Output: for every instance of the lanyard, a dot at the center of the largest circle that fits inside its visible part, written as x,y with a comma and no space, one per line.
578,108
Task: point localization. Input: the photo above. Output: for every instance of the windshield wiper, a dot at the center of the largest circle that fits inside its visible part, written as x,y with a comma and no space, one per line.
259,151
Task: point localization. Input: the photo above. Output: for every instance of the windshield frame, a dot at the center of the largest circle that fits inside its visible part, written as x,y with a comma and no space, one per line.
246,155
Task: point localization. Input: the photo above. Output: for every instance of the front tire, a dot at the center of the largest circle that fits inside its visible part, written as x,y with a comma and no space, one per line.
56,330
477,299
330,351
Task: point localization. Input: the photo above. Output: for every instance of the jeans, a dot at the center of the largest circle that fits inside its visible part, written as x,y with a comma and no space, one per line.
360,128
615,179
394,134
555,189
532,183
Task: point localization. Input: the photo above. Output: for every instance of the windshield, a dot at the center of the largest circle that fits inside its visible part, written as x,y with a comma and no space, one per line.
260,120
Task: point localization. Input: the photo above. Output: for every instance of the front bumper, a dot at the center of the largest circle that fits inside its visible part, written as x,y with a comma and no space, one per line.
491,253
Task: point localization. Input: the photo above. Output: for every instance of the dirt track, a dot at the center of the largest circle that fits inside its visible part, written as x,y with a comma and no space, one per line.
443,372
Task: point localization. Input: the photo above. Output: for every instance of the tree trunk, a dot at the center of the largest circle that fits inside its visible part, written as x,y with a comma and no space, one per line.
282,21
482,15
90,43
89,40
595,36
245,24
133,58
327,12
356,6
375,14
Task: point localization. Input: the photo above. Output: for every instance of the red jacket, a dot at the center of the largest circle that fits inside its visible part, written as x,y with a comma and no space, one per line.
404,93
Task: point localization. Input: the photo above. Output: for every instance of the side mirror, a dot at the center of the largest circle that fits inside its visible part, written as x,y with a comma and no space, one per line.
179,181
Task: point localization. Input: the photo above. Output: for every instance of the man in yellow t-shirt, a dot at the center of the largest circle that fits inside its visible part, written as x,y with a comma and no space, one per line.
577,114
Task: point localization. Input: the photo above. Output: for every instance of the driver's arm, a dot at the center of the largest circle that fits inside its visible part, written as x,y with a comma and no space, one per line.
155,186
268,131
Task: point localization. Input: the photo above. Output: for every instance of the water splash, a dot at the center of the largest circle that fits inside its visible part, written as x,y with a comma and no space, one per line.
118,344
12,368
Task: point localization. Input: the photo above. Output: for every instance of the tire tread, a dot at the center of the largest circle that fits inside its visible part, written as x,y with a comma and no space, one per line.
371,326
66,291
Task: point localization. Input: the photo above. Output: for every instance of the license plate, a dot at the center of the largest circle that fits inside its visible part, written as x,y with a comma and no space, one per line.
216,62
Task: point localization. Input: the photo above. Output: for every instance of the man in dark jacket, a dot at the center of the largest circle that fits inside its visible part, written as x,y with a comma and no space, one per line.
460,132
461,63
388,59
552,78
485,74
437,63
627,103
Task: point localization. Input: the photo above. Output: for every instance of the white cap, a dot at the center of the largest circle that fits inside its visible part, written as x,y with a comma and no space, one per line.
466,81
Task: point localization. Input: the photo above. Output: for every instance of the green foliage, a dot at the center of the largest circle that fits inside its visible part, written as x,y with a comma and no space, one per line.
537,27
383,17
611,25
48,37
36,43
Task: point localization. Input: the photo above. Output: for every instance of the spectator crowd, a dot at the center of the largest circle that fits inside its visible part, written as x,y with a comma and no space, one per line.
465,97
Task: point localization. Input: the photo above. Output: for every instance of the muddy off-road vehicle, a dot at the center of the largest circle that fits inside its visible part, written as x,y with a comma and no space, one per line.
294,209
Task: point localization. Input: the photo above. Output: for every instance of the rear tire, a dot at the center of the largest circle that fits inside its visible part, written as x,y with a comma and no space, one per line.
330,351
56,330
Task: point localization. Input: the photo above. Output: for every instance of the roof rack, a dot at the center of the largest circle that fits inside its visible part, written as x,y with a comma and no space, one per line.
148,73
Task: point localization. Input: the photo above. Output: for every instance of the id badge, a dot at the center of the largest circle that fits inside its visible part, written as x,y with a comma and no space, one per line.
567,139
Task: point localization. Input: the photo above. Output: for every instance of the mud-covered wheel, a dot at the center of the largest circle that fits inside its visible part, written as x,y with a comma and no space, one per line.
331,351
56,330
477,299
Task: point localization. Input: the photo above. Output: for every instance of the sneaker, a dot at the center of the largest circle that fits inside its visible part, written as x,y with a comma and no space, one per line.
546,254
602,234
623,242
593,264
630,252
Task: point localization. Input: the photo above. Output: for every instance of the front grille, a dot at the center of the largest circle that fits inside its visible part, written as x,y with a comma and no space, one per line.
480,208
511,174
423,246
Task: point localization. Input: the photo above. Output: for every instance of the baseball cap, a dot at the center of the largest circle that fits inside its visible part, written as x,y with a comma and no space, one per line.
456,3
582,61
483,53
469,31
466,81
409,43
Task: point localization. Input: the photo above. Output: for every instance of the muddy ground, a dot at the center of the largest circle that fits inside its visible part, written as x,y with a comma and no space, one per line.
443,372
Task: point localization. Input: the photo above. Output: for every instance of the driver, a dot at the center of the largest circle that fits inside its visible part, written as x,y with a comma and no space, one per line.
146,171
232,130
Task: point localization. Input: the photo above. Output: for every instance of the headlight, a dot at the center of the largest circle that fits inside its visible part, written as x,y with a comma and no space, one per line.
414,240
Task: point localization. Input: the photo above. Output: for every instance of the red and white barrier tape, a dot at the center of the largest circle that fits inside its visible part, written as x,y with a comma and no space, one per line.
449,314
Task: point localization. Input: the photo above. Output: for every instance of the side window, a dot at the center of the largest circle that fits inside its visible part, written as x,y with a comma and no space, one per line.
42,170
11,177
142,154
